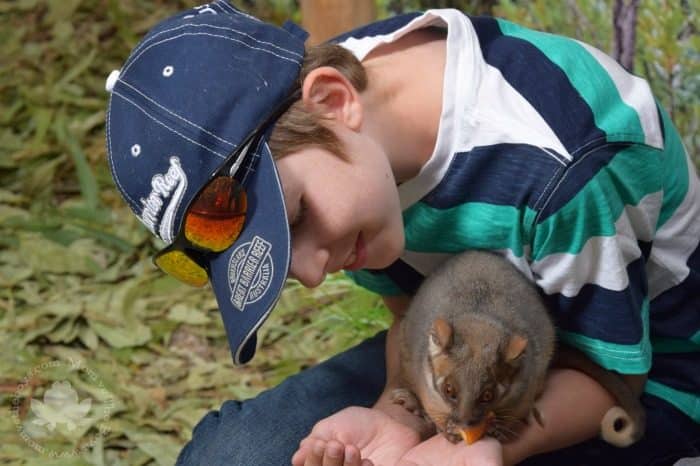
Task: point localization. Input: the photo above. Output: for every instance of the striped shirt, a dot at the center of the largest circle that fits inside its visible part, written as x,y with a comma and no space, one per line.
553,155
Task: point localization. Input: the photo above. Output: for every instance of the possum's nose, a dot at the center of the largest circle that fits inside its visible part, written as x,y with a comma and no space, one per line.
476,417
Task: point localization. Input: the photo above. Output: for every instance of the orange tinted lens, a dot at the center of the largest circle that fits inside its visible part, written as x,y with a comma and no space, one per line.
216,216
180,266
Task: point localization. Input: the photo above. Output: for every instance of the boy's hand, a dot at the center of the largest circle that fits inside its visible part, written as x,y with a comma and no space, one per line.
369,437
379,440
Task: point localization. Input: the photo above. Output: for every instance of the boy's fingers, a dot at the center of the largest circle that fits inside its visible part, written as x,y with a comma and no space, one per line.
334,454
352,456
300,455
314,455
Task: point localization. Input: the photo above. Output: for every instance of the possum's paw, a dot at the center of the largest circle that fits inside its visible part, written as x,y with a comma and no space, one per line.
407,399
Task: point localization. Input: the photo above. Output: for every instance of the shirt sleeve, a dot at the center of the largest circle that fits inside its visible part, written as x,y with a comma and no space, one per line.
590,245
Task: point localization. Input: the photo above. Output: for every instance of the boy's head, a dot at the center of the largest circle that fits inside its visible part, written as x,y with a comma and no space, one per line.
203,85
196,115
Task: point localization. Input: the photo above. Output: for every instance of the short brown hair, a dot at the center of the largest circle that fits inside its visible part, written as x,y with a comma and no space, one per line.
298,127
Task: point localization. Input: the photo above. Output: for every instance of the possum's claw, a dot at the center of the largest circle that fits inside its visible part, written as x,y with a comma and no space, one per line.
407,399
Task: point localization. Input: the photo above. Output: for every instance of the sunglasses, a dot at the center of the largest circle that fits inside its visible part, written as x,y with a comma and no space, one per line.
216,216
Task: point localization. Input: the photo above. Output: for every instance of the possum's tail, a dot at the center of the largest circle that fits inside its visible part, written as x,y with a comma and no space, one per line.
622,425
620,428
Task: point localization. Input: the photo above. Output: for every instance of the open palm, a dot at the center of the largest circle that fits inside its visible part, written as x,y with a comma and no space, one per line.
386,442
380,438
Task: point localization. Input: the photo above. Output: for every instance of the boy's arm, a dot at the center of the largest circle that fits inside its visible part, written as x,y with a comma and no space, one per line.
572,407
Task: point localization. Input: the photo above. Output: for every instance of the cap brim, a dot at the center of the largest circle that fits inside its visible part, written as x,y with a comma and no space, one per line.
249,276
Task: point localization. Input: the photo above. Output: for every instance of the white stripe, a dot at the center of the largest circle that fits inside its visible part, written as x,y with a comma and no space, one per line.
503,115
675,241
635,92
603,260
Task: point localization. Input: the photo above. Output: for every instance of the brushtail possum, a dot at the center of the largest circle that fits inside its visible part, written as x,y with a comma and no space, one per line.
475,346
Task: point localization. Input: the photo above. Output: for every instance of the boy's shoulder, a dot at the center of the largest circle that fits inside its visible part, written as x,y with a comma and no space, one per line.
584,95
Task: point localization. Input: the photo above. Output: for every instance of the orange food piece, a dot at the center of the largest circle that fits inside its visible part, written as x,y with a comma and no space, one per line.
474,433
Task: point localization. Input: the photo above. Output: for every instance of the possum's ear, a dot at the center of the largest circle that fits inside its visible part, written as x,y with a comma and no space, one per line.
516,346
440,337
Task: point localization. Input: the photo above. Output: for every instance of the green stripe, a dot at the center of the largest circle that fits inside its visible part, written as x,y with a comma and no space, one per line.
376,282
626,359
473,225
675,166
686,402
611,114
632,174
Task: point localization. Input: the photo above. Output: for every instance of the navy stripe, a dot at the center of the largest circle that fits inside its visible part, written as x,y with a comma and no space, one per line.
378,28
677,370
602,314
541,82
675,313
578,174
406,277
501,174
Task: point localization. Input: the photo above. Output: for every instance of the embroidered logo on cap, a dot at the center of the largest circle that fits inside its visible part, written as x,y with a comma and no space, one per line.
250,271
171,184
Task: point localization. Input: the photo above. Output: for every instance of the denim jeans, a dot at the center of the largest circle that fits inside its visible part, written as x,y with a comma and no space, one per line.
266,430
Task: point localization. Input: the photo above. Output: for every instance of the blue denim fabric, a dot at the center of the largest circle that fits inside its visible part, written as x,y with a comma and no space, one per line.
266,430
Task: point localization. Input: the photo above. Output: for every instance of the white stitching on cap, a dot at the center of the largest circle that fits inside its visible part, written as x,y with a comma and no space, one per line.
168,71
221,9
142,45
168,127
131,202
224,3
205,9
180,117
271,44
136,150
205,34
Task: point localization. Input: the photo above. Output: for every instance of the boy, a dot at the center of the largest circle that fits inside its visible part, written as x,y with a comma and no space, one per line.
421,136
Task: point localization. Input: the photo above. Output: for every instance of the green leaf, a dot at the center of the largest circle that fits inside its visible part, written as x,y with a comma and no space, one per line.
121,336
163,449
86,179
184,313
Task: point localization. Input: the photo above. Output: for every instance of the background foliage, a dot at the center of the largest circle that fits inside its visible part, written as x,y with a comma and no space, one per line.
76,281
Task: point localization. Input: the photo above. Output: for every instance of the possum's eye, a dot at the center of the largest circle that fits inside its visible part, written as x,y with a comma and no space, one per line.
450,392
486,396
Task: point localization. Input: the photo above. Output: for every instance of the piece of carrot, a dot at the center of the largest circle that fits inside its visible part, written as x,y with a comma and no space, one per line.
474,433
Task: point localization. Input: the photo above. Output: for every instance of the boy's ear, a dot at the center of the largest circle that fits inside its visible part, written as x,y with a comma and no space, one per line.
327,92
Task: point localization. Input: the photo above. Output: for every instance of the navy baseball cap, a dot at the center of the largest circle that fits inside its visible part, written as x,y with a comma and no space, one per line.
188,95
